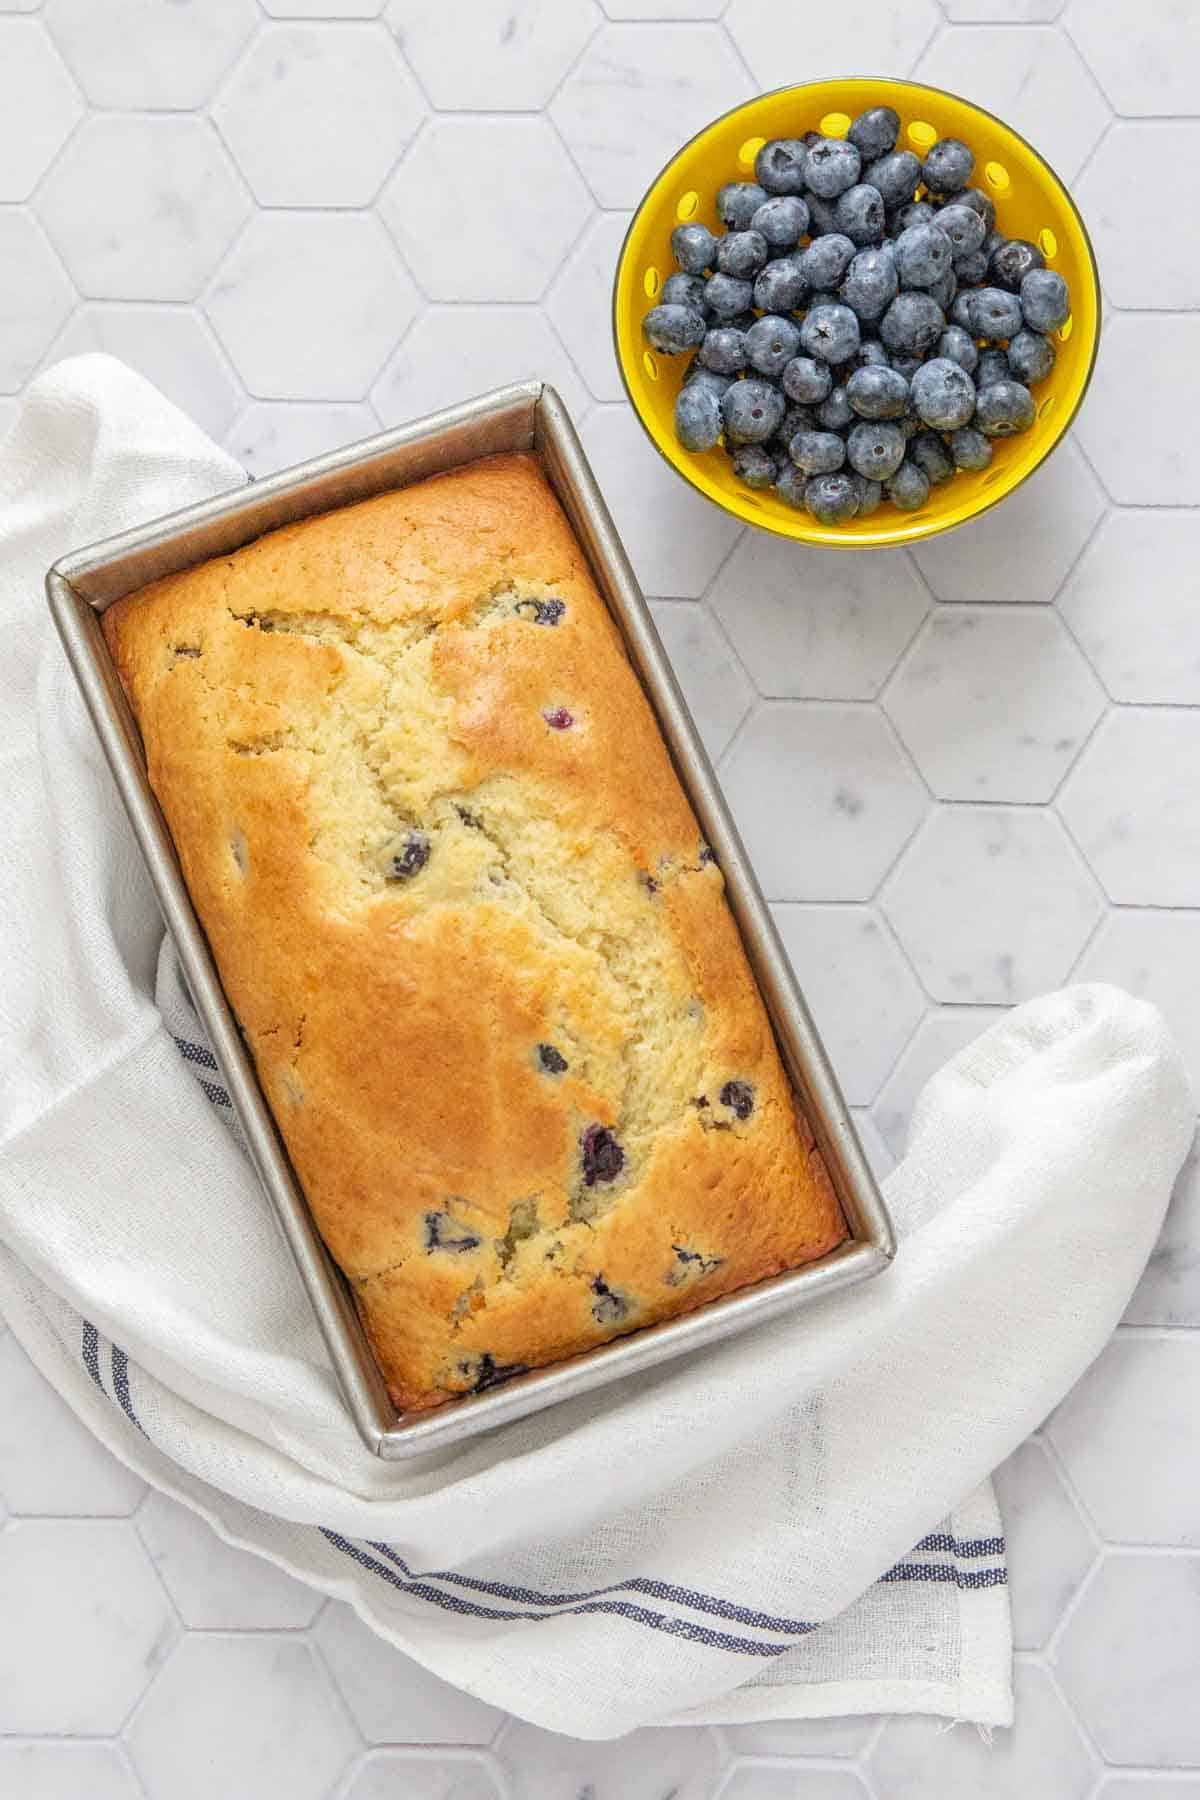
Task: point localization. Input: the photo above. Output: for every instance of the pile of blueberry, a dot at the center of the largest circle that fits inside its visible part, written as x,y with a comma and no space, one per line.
853,339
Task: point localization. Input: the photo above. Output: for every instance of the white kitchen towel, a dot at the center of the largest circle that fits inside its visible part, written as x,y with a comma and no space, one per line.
729,1537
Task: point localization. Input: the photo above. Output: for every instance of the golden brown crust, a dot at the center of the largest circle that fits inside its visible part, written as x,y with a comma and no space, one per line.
429,825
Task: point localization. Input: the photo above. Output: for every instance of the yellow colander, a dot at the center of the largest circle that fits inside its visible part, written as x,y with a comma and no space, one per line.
1031,203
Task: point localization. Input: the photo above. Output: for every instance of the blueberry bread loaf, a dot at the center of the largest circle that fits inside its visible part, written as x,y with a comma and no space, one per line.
460,905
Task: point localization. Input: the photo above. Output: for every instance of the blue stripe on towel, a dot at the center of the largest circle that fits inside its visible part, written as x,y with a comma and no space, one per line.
90,1351
120,1381
639,1584
638,1615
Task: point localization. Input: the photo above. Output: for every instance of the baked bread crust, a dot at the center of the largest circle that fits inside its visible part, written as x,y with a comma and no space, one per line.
437,844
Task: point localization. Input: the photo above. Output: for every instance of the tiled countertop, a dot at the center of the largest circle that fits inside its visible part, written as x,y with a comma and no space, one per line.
309,217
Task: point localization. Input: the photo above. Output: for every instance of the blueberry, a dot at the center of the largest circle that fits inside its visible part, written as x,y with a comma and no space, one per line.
790,484
751,410
943,394
1030,356
1045,301
690,1263
683,290
870,285
780,166
771,343
833,166
698,422
558,718
806,380
908,488
995,313
781,286
742,253
827,259
823,297
960,312
831,499
1004,409
896,175
948,166
609,1307
971,270
910,424
979,202
872,355
817,452
442,1232
931,457
488,1373
782,221
993,367
875,448
754,466
944,290
877,393
874,132
912,324
991,244
543,612
830,333
836,412
602,1156
969,448
552,1061
405,856
724,350
726,295
674,329
694,248
1011,262
870,496
737,203
913,212
960,347
963,226
822,215
923,254
699,376
738,1096
859,214
906,366
796,418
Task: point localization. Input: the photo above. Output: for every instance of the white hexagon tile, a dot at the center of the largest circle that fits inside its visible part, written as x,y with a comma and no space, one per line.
967,773
143,207
42,107
317,115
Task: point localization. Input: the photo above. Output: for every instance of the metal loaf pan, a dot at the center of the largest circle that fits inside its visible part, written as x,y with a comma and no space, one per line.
526,417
